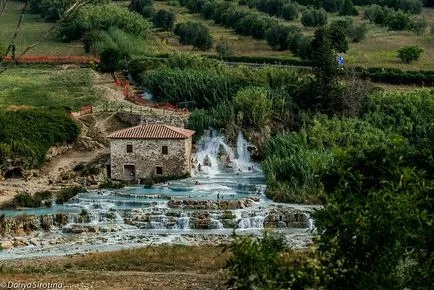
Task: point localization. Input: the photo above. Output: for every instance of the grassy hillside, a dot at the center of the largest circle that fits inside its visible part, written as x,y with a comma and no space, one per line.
32,29
31,86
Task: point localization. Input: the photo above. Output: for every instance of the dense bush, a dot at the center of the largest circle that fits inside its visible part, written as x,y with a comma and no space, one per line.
355,32
65,194
205,87
397,76
398,20
255,105
114,47
26,135
314,18
418,25
164,19
348,9
143,7
410,53
279,36
194,33
24,200
289,12
102,17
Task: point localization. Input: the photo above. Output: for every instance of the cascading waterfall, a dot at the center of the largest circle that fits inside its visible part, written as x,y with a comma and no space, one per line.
227,179
209,147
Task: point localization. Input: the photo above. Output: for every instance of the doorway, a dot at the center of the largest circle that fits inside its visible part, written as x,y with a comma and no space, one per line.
129,172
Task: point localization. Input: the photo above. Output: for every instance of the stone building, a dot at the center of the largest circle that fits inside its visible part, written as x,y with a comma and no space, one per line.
152,149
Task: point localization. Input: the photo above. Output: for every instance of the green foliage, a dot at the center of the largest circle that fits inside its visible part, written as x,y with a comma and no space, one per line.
398,20
194,33
3,50
289,12
376,14
418,25
397,76
111,184
24,200
114,47
409,115
255,259
410,53
164,19
255,105
26,135
383,240
326,98
206,87
338,38
314,18
65,194
143,7
102,17
410,6
224,49
45,87
219,117
348,9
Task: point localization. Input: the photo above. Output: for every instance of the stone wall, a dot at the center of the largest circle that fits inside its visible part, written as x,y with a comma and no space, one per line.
169,118
147,155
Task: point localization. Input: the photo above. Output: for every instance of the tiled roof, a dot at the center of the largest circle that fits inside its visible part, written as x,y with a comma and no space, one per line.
152,131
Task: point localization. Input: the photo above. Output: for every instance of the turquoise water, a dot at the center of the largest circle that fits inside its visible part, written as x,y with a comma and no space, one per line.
221,186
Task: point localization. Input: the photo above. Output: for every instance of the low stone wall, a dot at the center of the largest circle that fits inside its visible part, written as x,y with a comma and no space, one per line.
170,118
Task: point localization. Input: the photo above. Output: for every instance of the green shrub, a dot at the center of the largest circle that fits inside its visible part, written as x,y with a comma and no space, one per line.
410,53
164,19
194,33
111,184
268,263
314,18
397,20
418,25
65,194
102,17
79,167
255,105
289,12
348,9
24,200
143,7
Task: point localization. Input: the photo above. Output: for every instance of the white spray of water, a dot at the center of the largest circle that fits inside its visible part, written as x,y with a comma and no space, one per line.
211,146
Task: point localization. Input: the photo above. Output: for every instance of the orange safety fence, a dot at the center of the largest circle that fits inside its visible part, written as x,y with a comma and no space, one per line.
79,59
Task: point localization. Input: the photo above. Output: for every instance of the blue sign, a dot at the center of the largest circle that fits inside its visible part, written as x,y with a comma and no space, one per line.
340,60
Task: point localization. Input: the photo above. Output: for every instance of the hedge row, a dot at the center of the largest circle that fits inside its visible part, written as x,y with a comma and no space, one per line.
397,76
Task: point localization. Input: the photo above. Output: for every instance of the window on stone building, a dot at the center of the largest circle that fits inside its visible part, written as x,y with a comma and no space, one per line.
165,150
159,170
129,148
